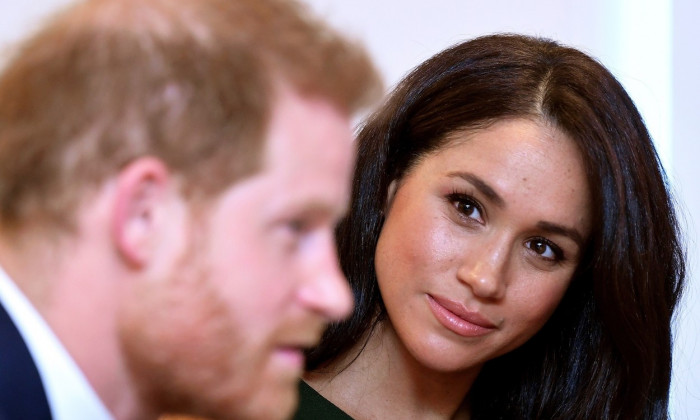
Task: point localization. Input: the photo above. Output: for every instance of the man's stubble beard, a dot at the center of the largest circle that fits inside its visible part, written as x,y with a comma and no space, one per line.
177,338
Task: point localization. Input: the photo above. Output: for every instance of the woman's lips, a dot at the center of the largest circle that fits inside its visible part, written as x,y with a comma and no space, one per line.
458,319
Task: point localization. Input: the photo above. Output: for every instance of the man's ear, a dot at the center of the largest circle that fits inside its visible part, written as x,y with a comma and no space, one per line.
141,192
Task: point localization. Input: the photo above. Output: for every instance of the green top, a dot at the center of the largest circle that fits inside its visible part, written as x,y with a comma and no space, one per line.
313,406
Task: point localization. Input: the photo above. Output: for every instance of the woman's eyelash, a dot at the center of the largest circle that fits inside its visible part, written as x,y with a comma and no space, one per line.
466,205
471,210
539,245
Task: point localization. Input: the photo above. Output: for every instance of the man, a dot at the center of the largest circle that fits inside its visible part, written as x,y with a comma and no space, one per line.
170,175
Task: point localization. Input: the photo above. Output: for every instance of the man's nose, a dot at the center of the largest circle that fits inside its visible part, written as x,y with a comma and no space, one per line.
326,290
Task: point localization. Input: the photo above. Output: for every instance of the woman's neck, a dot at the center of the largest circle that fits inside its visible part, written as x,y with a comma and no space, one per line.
385,381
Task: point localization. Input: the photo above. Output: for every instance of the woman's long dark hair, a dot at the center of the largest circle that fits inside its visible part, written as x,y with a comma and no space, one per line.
606,352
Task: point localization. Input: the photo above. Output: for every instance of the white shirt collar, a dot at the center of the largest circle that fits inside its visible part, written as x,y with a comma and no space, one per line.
69,394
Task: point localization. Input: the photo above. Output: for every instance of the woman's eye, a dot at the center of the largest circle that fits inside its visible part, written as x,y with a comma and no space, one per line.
545,249
467,206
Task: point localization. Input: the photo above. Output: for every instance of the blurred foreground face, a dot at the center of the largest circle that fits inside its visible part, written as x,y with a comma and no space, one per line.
255,280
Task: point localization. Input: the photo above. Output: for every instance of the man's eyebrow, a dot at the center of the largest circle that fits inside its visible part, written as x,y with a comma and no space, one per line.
319,209
562,230
482,186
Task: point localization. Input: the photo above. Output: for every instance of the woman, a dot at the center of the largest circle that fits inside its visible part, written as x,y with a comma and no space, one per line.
511,244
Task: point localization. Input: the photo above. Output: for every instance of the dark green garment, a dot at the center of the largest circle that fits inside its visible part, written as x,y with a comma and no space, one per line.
312,406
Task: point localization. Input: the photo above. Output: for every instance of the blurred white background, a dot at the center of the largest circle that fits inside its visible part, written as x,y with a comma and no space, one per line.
650,45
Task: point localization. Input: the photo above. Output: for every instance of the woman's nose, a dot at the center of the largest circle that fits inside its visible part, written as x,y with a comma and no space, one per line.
483,268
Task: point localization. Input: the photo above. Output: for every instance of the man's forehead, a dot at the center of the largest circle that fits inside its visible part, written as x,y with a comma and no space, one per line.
303,123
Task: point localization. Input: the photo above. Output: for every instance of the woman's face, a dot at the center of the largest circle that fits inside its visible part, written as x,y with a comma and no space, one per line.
480,242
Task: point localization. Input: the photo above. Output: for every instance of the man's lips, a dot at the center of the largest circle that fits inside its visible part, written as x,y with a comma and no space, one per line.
293,355
292,351
296,341
457,318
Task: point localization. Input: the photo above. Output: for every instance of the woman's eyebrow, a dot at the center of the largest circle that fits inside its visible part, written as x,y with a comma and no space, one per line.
482,186
496,199
562,230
